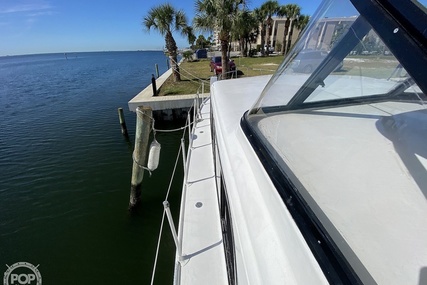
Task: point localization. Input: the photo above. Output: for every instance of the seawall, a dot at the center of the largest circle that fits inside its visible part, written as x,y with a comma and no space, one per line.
166,108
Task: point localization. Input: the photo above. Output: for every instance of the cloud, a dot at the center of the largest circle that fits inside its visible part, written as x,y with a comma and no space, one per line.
41,13
22,15
25,7
24,11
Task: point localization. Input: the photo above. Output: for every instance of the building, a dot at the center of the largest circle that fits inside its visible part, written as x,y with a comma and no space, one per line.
322,39
325,33
277,34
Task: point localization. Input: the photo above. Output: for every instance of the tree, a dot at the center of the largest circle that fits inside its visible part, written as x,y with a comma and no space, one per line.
261,15
220,14
190,35
302,23
291,12
166,20
188,55
243,30
202,42
270,8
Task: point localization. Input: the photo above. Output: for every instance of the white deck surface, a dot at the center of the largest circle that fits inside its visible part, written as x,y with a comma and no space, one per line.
200,229
362,169
269,247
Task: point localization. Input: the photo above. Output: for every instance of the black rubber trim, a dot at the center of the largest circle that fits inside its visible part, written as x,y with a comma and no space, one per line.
342,102
227,234
225,214
332,262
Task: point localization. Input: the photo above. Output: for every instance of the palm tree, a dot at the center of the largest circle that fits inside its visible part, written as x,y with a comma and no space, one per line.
302,23
261,15
245,24
291,12
270,8
295,12
166,20
191,37
221,15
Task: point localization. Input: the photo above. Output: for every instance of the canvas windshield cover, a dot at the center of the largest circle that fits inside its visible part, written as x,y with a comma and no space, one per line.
344,119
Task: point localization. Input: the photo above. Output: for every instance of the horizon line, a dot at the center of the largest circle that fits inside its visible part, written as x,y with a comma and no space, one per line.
72,52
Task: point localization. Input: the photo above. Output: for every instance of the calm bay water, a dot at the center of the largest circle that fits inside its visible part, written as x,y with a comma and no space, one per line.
65,170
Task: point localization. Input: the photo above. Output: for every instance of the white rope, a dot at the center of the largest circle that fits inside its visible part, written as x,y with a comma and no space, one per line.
157,249
164,131
167,195
163,218
194,76
140,165
229,72
175,130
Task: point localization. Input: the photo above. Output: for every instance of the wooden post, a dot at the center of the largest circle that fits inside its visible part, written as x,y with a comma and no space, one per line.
153,84
123,123
157,70
143,127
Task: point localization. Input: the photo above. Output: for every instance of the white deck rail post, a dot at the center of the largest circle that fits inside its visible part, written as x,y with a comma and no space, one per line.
194,109
172,226
203,88
189,126
184,157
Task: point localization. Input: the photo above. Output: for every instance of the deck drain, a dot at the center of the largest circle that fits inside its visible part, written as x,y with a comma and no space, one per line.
199,204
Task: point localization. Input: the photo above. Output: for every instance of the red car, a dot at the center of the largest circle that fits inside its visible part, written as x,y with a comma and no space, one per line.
216,65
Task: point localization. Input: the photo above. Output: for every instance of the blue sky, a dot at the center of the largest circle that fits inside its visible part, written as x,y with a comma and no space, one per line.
45,26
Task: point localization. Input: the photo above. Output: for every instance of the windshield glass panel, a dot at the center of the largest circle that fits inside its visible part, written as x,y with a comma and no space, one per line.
315,70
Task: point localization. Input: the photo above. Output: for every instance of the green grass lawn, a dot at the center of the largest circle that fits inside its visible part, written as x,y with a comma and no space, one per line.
375,67
195,72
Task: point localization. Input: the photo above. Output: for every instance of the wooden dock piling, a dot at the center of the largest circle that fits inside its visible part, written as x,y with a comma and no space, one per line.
123,123
157,71
144,117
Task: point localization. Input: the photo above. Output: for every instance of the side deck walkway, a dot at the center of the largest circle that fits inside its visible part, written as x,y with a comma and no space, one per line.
199,225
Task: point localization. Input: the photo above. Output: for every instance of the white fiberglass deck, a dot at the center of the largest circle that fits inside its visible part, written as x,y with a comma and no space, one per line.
268,245
200,228
376,212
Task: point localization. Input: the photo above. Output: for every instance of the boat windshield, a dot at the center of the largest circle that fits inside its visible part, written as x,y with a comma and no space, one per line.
339,58
344,119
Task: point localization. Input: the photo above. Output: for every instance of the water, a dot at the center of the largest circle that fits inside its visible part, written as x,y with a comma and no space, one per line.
65,170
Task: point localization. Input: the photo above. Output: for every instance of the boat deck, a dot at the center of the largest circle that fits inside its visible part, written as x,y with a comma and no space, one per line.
367,184
202,245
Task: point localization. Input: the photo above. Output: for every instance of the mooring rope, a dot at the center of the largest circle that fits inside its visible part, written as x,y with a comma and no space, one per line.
167,193
165,130
163,217
187,125
175,130
194,76
140,165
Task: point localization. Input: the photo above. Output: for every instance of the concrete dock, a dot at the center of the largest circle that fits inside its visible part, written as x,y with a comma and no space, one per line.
167,105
